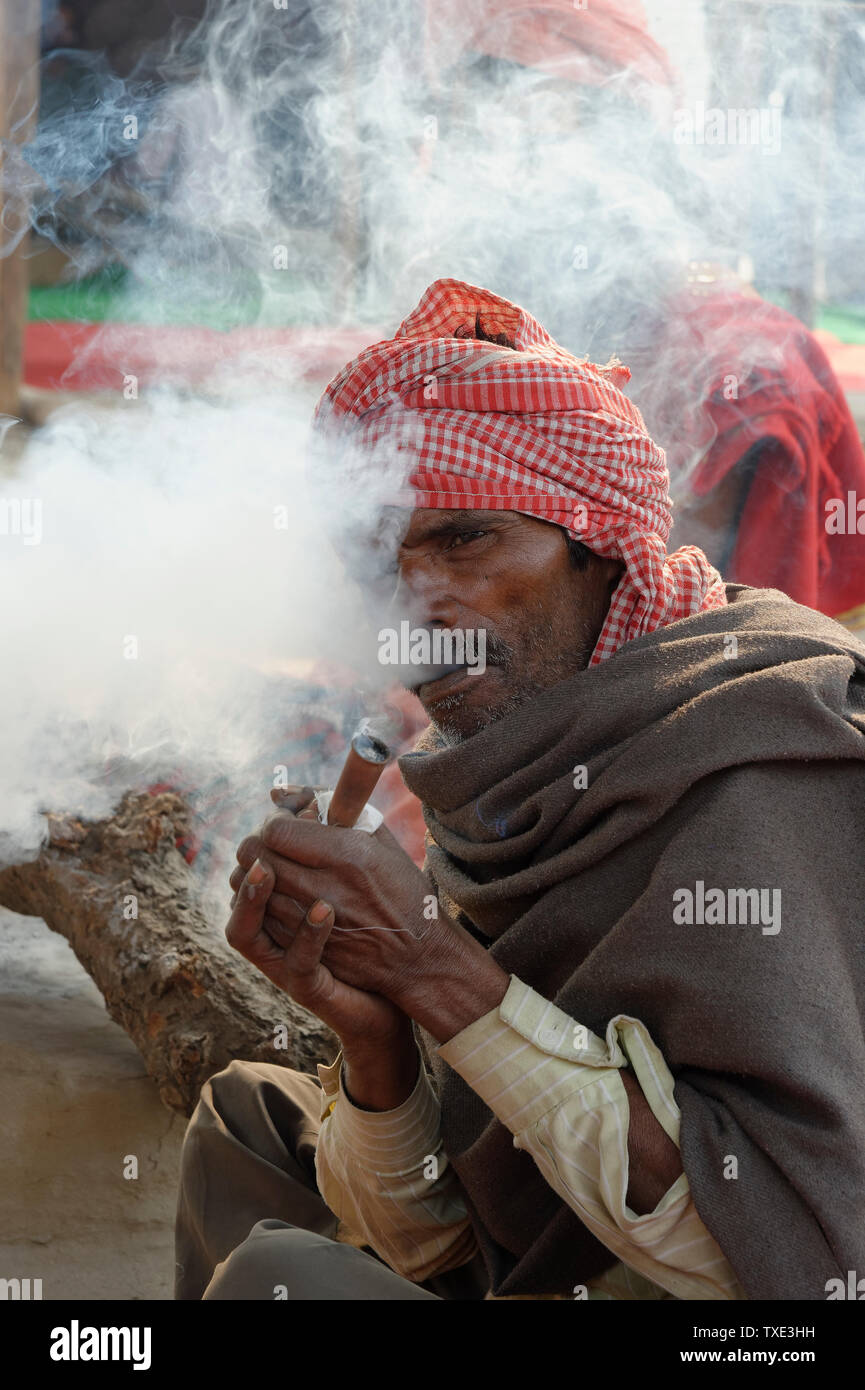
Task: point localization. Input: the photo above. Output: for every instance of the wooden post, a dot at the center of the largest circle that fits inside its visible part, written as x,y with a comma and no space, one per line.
20,23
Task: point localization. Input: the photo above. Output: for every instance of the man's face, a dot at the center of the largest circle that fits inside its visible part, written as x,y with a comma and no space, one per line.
511,576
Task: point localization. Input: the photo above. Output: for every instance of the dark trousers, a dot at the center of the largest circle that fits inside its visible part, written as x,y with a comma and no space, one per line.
251,1223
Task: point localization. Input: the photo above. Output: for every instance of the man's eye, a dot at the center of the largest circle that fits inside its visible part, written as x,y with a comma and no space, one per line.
463,537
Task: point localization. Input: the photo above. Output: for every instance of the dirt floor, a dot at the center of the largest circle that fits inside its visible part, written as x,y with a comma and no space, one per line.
76,1106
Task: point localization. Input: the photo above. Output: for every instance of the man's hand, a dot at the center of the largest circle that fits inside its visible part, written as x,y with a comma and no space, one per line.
297,968
379,1051
390,936
441,976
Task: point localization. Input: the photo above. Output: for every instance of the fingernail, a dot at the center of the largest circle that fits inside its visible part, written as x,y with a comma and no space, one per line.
318,912
256,873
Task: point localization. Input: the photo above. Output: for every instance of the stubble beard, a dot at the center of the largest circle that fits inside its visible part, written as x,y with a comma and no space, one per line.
539,662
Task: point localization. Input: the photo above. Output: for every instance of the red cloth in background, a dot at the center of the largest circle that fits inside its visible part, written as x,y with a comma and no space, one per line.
401,808
583,43
67,356
763,376
402,811
787,391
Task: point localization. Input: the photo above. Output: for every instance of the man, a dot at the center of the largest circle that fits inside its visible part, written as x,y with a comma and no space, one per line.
634,959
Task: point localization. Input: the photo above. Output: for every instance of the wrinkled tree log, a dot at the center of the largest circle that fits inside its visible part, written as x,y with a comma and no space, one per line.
168,976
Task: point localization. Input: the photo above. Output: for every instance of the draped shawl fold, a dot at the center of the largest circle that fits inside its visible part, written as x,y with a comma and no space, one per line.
739,764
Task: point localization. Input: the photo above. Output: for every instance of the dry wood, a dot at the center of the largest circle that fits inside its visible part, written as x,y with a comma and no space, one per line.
168,976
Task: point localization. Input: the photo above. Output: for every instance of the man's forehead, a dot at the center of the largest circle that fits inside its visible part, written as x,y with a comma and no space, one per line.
420,522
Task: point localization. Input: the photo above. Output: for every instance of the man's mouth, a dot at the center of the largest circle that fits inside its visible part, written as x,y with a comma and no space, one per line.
454,678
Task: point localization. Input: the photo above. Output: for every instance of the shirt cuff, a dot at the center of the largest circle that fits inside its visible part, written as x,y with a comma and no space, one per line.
383,1141
527,1056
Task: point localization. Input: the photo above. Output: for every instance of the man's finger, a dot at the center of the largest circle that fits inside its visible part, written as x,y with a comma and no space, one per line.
292,879
310,938
287,909
279,934
252,846
310,843
248,849
385,837
290,838
292,798
245,930
303,946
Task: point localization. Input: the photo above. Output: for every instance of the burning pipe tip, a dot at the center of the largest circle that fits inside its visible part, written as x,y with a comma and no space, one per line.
371,741
366,760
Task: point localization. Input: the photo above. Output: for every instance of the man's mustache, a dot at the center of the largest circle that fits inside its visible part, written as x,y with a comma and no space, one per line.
412,675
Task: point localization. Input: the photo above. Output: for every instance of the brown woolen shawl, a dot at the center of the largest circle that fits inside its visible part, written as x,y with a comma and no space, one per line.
745,772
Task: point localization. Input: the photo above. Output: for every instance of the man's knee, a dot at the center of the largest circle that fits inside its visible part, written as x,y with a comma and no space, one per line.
255,1125
248,1153
282,1262
256,1269
237,1097
223,1096
234,1083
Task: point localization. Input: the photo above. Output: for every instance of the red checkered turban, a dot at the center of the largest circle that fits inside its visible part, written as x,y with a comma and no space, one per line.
530,430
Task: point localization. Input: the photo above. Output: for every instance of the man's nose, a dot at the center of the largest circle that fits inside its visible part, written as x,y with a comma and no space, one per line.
425,594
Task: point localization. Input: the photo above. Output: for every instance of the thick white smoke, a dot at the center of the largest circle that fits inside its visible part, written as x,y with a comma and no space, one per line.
170,582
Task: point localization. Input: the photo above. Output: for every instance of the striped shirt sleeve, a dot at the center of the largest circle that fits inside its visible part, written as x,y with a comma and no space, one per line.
387,1178
557,1087
854,621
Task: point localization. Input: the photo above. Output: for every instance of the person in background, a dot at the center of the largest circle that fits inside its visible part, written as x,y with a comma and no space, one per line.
760,441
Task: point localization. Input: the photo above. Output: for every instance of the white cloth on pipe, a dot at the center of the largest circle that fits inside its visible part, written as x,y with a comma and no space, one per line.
369,819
